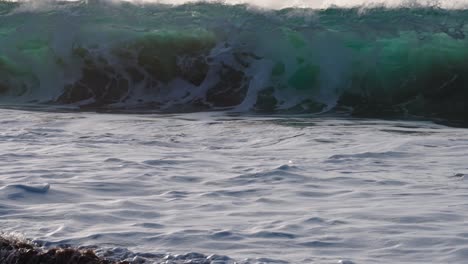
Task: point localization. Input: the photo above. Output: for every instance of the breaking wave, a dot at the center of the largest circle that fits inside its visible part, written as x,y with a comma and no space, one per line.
404,61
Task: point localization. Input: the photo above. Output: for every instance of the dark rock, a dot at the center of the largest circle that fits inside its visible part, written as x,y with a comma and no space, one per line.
19,252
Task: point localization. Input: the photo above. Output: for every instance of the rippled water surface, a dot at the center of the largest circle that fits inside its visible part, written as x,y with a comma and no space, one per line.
256,189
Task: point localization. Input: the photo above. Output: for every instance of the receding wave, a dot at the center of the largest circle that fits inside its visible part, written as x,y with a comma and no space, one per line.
393,62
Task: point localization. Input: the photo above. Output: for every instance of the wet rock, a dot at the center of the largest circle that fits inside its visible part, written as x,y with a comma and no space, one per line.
18,252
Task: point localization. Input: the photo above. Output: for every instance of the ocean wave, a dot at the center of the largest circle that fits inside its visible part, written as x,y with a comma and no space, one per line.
406,61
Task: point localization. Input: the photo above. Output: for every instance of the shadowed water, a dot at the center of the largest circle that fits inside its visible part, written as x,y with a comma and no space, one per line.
251,189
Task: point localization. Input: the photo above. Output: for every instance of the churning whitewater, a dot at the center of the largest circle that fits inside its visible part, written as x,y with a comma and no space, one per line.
220,133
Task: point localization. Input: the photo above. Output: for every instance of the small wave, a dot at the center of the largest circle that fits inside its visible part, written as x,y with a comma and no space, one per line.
370,155
34,188
319,244
282,174
273,235
39,188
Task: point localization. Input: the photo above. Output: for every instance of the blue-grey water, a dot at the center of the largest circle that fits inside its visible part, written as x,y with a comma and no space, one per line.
236,188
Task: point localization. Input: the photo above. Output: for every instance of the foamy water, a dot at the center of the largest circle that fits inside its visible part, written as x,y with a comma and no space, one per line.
254,189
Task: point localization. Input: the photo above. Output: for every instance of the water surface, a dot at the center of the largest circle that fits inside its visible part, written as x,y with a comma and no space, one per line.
256,189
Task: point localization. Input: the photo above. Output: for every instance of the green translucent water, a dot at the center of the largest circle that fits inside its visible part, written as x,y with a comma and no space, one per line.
397,62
